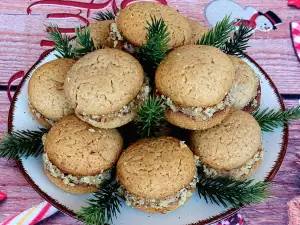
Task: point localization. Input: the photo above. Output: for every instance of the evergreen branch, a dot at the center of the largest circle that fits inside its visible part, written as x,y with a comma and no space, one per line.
224,190
101,16
238,44
104,206
150,117
23,143
219,35
83,36
156,47
62,42
269,119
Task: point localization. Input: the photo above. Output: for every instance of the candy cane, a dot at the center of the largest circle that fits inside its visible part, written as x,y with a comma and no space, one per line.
33,215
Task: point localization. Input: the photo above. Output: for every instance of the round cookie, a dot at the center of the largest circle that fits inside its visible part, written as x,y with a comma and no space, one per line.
132,21
231,147
157,169
195,81
100,33
246,85
75,148
46,97
197,30
101,84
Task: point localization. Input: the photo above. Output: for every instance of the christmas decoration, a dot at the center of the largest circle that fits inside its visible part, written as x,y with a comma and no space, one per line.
23,143
33,215
295,34
2,195
104,206
269,119
225,191
295,3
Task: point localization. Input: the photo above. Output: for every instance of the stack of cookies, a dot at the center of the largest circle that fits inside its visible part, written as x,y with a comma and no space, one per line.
84,102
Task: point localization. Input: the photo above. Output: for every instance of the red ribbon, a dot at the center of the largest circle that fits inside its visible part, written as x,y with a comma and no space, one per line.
13,78
74,4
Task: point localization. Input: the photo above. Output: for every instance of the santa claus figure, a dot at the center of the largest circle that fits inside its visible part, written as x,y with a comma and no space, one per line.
249,16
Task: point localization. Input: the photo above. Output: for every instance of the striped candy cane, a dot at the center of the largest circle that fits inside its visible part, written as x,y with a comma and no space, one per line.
32,216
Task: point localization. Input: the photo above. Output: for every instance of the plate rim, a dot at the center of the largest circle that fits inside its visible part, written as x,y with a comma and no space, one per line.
210,220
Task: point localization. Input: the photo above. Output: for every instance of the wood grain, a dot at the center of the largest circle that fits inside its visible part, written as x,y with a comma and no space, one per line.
20,36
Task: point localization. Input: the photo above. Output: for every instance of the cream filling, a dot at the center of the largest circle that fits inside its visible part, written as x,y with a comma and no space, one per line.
179,198
116,36
71,180
203,113
39,115
133,105
238,173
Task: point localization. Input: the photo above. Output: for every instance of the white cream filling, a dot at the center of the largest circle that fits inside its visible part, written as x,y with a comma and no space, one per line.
71,180
203,113
133,105
238,173
38,115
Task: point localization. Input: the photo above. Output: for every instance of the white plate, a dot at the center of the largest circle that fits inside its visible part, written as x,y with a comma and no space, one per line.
196,211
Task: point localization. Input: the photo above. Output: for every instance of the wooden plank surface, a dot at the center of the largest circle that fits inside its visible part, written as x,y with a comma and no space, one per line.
20,36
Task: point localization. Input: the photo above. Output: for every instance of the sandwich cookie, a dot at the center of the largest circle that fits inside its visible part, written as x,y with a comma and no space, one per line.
46,98
132,21
246,91
195,82
106,87
79,157
100,33
233,148
157,175
197,30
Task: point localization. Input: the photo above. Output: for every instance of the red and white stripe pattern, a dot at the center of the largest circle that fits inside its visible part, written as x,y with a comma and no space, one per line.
295,31
32,216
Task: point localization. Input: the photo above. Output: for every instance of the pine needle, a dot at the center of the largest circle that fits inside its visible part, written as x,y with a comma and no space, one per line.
269,119
238,44
224,190
219,35
62,42
83,36
22,143
150,117
155,50
104,206
101,16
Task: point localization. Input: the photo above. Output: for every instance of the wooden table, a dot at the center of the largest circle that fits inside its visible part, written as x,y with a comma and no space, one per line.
20,48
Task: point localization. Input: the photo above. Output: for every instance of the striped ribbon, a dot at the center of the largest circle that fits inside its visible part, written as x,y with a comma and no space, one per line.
32,216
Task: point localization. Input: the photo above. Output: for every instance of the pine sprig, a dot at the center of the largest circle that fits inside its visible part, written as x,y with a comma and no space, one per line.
104,206
23,143
83,36
219,35
224,190
269,119
238,43
150,117
62,42
156,47
101,16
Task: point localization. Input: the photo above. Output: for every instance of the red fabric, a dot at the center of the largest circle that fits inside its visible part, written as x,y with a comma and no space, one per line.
41,215
248,23
295,34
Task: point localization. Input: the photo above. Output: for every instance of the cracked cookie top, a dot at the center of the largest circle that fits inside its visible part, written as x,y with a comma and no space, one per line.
45,89
132,23
77,148
156,168
229,145
103,81
195,76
